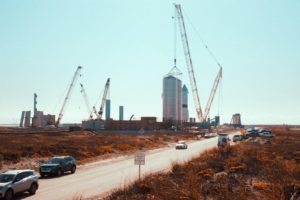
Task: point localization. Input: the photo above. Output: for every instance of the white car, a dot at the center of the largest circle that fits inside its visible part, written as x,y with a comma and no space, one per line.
266,134
17,181
210,135
181,145
237,138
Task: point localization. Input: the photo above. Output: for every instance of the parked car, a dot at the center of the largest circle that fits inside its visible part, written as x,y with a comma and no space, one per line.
17,181
237,138
210,135
181,145
263,130
223,140
58,166
250,135
266,134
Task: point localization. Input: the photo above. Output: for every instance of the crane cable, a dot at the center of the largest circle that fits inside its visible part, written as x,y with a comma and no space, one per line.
202,40
220,99
60,100
175,38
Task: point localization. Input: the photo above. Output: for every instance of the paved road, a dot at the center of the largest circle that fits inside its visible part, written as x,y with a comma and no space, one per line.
102,176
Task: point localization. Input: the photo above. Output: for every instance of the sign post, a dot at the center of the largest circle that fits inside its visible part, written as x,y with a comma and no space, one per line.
139,159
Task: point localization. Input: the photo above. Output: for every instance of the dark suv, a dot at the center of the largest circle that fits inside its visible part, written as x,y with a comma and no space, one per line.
58,165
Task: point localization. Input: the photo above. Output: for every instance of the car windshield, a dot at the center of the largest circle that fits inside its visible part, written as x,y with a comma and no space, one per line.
54,161
4,178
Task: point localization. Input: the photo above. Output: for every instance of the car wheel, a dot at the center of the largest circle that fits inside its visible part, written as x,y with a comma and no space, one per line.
8,194
33,188
73,169
42,175
59,172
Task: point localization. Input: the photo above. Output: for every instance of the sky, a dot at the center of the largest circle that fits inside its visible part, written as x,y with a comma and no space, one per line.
132,42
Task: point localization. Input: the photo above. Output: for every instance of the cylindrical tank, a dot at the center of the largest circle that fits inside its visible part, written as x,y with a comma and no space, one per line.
172,94
121,113
22,119
35,122
107,109
185,111
27,118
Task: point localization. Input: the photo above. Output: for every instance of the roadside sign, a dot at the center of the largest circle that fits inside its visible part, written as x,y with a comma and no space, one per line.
139,158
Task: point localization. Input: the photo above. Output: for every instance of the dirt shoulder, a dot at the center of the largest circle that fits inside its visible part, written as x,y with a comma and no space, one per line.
27,150
248,170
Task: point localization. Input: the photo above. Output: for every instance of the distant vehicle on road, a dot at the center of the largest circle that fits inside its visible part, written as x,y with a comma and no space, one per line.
17,181
58,165
223,140
209,135
181,145
237,138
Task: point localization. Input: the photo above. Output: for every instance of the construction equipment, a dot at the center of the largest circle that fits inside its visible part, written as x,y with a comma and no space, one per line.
67,98
131,117
106,89
202,117
87,102
212,94
236,120
189,62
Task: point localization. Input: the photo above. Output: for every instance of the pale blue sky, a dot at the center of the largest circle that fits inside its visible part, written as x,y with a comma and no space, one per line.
257,42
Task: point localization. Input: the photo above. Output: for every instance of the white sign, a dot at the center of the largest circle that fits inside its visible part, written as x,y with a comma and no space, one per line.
139,158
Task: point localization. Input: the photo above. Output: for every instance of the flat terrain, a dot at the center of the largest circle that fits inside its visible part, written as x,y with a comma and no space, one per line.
254,169
100,177
21,149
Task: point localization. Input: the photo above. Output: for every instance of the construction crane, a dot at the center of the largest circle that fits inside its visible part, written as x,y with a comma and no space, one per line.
106,88
189,62
67,98
131,117
212,94
87,102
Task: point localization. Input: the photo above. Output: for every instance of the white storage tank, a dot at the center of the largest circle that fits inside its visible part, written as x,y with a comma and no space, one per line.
172,98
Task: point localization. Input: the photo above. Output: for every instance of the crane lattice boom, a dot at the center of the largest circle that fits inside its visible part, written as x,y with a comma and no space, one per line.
189,63
104,98
212,94
86,100
67,98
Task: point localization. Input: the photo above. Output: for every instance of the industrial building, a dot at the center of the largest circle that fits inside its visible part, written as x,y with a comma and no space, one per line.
236,120
185,111
39,120
146,123
93,124
172,97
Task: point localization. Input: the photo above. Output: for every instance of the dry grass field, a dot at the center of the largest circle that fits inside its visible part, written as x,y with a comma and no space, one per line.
20,147
249,170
